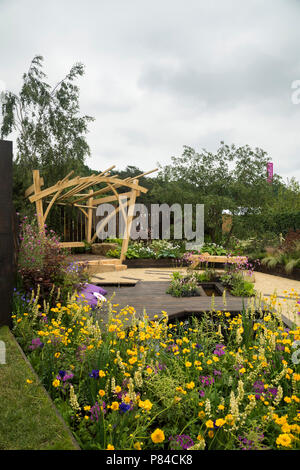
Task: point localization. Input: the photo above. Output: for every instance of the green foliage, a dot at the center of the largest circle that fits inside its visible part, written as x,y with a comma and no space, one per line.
213,249
43,264
156,249
187,285
243,289
233,178
288,257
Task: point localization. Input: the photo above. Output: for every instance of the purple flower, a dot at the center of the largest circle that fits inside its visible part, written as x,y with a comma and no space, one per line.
219,351
96,410
206,380
94,374
124,407
36,343
184,441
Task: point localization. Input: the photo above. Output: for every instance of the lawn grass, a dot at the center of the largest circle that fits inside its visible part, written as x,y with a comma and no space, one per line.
28,419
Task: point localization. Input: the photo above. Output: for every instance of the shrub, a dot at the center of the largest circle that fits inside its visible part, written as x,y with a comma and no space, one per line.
156,249
42,262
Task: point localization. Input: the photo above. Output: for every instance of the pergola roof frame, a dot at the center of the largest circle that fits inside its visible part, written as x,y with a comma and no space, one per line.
37,195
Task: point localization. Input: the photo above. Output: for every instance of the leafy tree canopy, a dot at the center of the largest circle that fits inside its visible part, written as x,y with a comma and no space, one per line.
51,133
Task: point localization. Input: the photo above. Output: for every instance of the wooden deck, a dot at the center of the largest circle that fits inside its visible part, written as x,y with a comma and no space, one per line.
152,297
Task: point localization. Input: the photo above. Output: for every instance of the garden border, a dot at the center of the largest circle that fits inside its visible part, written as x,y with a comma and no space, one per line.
59,416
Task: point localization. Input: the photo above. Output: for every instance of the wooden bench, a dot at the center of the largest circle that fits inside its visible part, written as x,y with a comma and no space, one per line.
207,258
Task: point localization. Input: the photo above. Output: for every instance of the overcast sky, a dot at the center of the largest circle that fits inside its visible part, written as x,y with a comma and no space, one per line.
161,74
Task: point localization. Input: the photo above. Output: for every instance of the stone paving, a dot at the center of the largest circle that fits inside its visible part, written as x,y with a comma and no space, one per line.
287,290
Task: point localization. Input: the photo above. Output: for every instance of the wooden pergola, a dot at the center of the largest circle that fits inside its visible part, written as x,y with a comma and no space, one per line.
73,192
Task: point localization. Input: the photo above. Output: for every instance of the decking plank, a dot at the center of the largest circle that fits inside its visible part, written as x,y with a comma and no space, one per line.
151,296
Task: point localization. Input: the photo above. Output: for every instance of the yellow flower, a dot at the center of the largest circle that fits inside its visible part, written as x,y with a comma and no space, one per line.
220,422
285,428
158,436
210,434
56,383
101,393
118,389
221,407
102,373
57,355
132,360
287,399
188,364
146,405
110,447
138,446
229,418
284,440
190,385
115,406
209,424
29,381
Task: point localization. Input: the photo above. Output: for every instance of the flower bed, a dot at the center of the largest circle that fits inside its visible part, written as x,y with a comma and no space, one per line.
216,382
192,284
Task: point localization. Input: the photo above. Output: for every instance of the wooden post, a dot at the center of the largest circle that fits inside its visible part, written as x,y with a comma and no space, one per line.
90,217
128,221
6,233
39,202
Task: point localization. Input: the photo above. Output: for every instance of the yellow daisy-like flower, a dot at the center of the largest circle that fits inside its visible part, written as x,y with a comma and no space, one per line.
102,373
101,393
157,436
56,383
209,424
29,381
284,440
118,389
220,422
110,447
57,355
115,406
190,385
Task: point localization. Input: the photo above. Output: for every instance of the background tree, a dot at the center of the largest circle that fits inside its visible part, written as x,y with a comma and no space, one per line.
234,178
49,128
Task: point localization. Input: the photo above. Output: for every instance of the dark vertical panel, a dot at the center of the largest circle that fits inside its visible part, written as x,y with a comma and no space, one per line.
6,233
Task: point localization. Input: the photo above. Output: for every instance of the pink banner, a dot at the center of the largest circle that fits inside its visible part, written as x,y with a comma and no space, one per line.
270,171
